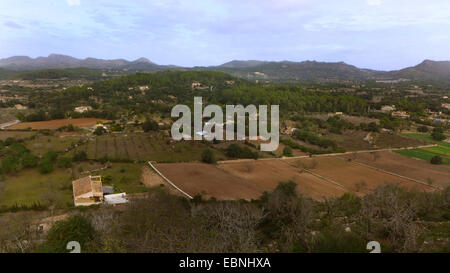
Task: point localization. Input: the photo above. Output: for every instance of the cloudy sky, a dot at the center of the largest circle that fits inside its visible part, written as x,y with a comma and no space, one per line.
378,34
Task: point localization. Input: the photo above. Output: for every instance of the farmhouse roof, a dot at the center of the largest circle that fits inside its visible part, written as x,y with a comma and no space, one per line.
91,185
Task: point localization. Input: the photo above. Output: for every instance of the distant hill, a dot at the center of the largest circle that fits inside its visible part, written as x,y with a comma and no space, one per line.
56,61
251,69
427,70
299,71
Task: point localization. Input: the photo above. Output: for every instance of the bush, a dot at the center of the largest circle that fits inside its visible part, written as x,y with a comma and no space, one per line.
235,151
65,162
438,136
99,131
436,160
208,156
51,156
46,166
76,228
287,151
422,129
29,160
80,156
150,125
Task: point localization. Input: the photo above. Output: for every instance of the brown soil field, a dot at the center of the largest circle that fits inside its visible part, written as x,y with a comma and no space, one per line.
55,124
354,177
269,173
208,180
438,175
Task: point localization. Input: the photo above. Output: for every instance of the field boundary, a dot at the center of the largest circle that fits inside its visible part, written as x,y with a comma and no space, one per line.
324,155
317,175
391,173
168,181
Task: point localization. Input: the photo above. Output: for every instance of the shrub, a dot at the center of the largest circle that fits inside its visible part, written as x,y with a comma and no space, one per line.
422,129
29,160
208,156
436,160
80,156
76,228
46,166
65,162
287,151
150,125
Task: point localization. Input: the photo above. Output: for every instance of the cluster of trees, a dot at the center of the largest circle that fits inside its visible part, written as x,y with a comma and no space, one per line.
280,221
293,99
236,151
314,139
438,134
16,157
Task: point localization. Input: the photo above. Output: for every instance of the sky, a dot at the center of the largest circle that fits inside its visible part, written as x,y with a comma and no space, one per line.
376,34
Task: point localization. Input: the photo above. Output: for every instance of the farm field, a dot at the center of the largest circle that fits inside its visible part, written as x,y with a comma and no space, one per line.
57,123
208,180
15,134
42,143
427,138
269,173
324,177
418,169
426,154
30,186
143,147
355,178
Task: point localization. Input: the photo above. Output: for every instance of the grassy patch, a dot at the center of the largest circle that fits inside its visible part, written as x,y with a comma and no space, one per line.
422,154
427,138
125,177
30,186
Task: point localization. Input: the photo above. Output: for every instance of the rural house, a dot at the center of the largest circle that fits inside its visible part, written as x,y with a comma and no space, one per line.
82,109
87,191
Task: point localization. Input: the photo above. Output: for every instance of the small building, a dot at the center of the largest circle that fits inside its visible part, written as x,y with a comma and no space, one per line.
446,105
82,109
115,199
195,85
20,107
87,191
401,114
230,82
339,113
108,190
387,108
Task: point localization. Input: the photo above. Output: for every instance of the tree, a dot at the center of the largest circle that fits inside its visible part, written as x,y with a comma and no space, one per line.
287,151
99,131
422,129
208,156
438,134
65,162
76,228
80,156
150,125
29,160
46,166
436,160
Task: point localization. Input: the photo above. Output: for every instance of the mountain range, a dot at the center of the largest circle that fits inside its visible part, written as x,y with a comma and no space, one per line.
252,69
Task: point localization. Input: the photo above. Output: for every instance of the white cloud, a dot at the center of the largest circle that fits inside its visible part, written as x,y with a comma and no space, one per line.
373,2
74,2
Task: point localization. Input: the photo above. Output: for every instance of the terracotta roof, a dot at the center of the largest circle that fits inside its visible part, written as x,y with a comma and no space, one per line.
82,186
87,185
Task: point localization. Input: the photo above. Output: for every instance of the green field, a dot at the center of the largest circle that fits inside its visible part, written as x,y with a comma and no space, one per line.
30,186
425,154
427,138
